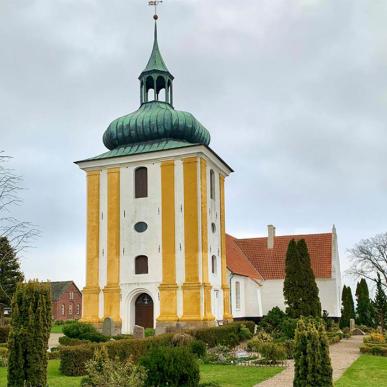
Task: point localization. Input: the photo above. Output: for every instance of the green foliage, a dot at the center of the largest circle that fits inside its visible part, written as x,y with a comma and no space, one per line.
64,340
198,348
364,305
4,332
273,320
245,333
83,331
327,321
311,354
278,324
175,367
102,371
10,272
29,334
300,289
374,349
149,332
272,352
229,334
380,304
181,339
348,308
3,357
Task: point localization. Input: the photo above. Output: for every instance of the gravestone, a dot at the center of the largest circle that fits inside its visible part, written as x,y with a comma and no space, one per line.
138,332
108,327
351,324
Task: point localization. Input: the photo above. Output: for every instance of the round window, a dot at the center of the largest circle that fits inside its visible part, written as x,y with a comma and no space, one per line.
140,226
213,227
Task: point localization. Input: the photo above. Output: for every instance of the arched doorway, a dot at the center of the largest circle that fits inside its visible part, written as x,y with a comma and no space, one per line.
144,311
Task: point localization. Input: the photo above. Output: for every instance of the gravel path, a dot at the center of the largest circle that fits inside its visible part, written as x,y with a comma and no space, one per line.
343,354
53,341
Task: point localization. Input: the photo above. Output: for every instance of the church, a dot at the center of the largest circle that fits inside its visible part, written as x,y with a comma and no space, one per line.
157,252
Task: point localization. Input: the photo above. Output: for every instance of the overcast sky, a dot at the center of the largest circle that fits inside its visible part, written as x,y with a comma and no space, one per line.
294,94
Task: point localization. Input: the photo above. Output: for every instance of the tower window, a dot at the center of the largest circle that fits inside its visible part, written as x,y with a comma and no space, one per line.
213,264
141,265
237,295
140,226
213,227
141,182
212,184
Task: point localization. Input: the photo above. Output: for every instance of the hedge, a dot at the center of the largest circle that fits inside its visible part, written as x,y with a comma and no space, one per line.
4,332
374,349
228,335
73,358
69,341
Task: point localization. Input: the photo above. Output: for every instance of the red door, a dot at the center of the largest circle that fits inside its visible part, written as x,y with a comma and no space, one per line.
144,311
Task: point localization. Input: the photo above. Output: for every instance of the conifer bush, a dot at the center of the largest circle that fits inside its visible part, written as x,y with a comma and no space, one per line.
312,362
29,334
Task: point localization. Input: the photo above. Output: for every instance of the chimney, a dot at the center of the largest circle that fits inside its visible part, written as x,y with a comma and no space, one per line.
270,236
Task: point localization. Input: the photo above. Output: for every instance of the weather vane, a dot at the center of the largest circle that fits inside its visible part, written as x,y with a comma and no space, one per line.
155,4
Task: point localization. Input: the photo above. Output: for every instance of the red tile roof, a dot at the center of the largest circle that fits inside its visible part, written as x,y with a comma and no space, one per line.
237,262
270,263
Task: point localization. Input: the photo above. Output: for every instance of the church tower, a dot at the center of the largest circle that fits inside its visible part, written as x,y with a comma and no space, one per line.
156,217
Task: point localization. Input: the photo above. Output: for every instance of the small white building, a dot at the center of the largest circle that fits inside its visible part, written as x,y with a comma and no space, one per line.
257,272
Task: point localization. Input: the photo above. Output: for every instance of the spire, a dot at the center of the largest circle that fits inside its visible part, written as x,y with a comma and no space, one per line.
156,76
156,61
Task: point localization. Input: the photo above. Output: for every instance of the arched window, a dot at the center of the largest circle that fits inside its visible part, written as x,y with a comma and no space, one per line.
213,264
141,182
70,309
141,265
62,307
237,295
212,184
78,309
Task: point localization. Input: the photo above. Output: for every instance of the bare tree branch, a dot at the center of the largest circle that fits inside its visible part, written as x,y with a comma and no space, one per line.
369,257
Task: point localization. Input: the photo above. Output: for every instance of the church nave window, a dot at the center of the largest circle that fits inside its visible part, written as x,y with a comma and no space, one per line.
141,265
141,182
237,295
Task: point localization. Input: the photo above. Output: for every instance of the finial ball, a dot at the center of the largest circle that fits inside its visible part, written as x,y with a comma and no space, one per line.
155,17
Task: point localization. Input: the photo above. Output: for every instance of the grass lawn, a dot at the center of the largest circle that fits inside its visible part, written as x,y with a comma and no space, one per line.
225,375
55,378
57,329
366,371
236,376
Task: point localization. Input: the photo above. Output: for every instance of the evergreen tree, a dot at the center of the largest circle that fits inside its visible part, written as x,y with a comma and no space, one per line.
364,306
311,300
300,288
29,334
10,273
348,307
312,364
380,304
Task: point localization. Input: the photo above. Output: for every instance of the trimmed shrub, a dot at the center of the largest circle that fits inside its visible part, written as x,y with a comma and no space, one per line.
53,355
174,367
374,337
122,337
198,348
230,334
83,331
272,322
73,359
4,332
64,340
374,349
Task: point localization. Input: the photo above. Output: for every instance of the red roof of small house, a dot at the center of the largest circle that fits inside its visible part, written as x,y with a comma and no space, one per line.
270,263
237,262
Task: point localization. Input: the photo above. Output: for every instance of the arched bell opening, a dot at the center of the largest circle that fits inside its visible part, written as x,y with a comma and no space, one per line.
161,87
150,94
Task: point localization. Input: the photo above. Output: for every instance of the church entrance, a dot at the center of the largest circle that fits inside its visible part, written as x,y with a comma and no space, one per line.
144,311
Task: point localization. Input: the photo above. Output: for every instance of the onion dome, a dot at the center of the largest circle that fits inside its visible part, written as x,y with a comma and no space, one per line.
156,119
